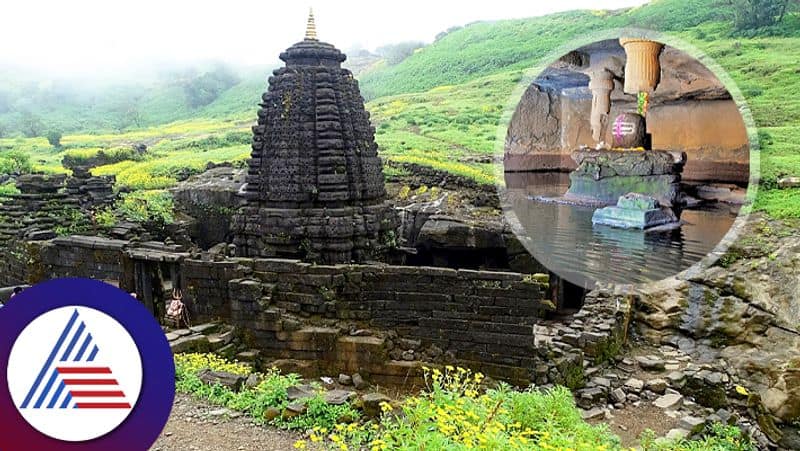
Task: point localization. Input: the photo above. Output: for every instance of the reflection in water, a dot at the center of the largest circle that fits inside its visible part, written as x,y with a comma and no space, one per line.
564,240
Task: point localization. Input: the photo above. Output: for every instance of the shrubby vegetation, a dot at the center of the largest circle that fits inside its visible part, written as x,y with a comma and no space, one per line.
149,207
95,156
54,138
14,162
455,412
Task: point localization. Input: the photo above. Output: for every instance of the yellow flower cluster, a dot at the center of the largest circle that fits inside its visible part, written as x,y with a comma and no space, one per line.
194,362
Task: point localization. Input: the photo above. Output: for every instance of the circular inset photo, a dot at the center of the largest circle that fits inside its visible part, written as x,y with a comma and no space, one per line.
626,161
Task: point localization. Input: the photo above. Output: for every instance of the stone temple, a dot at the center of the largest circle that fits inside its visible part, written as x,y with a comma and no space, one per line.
315,186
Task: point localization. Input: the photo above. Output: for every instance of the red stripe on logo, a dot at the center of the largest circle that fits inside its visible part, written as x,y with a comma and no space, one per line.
97,394
87,370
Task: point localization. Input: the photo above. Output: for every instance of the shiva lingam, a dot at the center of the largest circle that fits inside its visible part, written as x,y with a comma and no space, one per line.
640,183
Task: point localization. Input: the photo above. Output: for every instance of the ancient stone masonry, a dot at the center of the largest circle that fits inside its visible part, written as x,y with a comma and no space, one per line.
315,185
40,207
384,320
92,191
83,256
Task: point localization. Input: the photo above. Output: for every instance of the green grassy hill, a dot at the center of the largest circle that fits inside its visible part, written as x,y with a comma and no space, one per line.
487,48
440,107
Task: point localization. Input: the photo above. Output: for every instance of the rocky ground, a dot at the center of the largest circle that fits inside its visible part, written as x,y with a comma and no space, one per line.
196,426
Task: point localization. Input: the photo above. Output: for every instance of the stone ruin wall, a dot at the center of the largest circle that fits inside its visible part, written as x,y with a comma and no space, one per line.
382,321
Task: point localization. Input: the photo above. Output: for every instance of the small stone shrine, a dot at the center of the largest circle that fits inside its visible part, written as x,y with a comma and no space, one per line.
315,186
643,183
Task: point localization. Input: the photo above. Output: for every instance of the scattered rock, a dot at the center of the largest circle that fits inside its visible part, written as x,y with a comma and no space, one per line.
271,413
676,378
635,385
190,343
299,392
789,182
601,382
294,409
205,329
593,413
371,404
359,382
656,386
219,412
618,396
252,381
344,379
247,356
338,397
650,363
677,434
668,401
692,424
232,381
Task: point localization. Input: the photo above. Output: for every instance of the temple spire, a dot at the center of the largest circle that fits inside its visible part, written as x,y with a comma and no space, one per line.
311,28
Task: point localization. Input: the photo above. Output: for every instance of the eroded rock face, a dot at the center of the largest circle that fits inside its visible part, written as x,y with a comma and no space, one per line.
744,315
210,198
315,186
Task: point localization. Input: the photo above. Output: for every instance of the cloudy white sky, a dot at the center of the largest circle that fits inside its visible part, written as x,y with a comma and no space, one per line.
101,37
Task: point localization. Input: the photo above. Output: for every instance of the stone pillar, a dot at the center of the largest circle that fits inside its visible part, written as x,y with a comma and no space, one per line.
601,83
642,68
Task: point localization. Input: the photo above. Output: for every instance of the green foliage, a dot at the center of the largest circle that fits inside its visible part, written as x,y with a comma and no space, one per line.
271,391
30,124
72,223
8,188
204,89
54,138
455,413
753,14
486,48
105,218
94,156
149,207
319,414
14,162
717,437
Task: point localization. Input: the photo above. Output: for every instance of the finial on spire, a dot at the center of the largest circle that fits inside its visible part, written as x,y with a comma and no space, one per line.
311,28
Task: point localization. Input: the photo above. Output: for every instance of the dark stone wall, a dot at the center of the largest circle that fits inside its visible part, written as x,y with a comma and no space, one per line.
82,256
20,263
378,319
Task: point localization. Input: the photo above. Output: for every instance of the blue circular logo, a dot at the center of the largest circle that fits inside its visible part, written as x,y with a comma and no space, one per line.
86,367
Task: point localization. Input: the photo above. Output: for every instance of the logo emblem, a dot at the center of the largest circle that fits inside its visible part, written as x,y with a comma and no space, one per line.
78,392
76,374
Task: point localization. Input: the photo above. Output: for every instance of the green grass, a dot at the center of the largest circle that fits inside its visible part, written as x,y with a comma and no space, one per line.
486,48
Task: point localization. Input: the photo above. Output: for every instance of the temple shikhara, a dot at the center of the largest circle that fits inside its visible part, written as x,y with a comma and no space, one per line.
315,186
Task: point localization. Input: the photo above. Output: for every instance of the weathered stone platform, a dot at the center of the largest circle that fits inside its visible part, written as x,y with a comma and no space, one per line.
635,211
605,175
